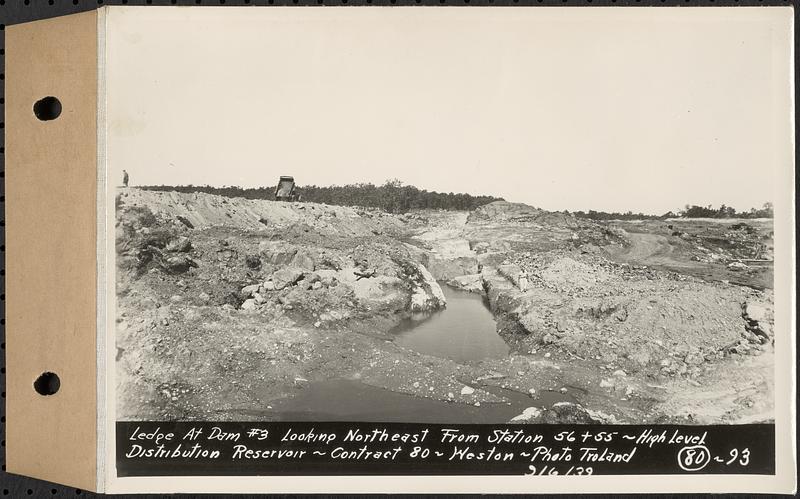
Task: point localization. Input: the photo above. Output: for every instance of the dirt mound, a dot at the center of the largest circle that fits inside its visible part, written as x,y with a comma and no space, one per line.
209,285
198,210
639,318
504,211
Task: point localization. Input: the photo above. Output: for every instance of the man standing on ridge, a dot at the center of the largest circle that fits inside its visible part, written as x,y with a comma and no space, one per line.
124,178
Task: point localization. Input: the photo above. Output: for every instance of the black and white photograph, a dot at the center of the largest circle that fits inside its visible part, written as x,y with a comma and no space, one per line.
447,216
440,244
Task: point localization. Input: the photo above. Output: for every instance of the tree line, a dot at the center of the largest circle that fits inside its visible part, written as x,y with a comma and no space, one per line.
393,196
689,211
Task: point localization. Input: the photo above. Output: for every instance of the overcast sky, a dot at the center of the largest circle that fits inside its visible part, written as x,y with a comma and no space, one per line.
603,108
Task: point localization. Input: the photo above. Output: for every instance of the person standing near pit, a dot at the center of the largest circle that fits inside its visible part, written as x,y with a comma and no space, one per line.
124,178
522,279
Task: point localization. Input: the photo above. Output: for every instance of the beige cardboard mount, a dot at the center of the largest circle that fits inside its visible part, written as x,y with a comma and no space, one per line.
51,252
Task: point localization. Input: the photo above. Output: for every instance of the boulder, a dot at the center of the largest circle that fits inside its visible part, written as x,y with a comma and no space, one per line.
178,264
249,304
248,291
471,283
757,318
180,244
559,413
567,413
448,268
304,261
276,252
286,277
755,312
252,262
531,414
326,276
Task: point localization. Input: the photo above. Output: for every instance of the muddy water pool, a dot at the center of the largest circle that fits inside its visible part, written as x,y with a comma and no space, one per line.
352,400
464,331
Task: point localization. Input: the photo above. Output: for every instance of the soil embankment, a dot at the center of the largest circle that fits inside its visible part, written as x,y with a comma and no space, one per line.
238,309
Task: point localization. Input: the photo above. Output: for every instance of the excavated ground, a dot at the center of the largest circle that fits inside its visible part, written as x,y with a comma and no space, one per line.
242,309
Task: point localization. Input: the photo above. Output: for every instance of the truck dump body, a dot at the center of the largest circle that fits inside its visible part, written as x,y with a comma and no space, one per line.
285,191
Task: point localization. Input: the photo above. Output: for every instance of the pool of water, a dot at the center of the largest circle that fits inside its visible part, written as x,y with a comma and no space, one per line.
352,400
464,331
349,400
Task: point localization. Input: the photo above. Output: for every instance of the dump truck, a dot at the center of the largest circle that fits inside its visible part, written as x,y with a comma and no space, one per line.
285,191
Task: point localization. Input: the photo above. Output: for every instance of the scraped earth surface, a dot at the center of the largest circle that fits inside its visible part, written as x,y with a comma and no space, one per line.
235,309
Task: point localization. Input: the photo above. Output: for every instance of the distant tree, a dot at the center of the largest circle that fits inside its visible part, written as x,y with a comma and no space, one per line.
724,211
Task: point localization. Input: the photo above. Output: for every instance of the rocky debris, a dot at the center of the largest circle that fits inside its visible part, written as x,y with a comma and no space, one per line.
248,291
472,283
467,390
180,244
277,252
583,313
602,417
201,211
503,211
177,264
559,413
737,266
185,221
635,317
511,272
491,375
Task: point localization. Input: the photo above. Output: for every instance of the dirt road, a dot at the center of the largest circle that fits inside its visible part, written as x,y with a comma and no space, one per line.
678,254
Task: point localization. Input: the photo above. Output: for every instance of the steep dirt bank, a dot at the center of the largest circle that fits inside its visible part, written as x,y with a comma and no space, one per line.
229,306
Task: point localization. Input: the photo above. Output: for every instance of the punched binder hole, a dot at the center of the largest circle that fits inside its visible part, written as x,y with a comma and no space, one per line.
47,384
47,109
